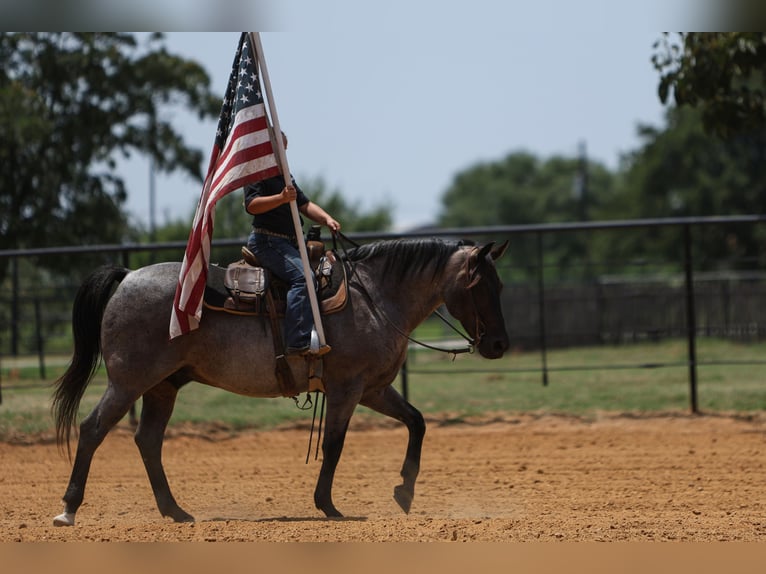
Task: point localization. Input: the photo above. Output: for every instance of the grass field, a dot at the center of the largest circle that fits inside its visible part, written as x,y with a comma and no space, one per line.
582,381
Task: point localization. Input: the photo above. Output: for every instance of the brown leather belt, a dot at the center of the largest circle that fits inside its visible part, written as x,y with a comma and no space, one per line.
263,231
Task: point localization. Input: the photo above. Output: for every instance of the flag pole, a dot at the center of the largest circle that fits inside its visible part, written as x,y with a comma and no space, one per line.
255,40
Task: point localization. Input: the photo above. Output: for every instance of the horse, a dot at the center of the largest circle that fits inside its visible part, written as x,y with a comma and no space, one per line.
122,317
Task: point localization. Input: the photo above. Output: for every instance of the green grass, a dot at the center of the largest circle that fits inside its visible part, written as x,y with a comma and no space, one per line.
581,381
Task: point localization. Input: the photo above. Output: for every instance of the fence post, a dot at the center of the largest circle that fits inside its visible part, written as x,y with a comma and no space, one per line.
40,340
15,314
541,307
691,320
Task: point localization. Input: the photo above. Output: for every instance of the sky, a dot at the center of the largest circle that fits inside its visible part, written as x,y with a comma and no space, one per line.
389,103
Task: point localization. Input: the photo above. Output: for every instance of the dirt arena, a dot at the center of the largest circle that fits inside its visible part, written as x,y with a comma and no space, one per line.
511,478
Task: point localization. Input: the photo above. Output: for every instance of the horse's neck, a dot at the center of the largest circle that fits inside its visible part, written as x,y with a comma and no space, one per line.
409,301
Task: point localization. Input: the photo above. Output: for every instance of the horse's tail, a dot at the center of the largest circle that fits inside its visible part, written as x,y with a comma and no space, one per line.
87,313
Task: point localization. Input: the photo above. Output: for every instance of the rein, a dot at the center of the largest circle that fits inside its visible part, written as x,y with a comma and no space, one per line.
454,352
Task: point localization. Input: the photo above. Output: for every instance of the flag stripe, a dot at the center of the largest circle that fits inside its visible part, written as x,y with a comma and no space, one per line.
242,154
245,161
248,130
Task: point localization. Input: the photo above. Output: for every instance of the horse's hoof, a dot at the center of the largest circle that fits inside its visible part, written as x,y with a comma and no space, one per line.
403,498
187,518
182,516
64,519
331,512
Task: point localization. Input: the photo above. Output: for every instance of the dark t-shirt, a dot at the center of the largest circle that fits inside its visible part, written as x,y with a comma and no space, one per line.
279,219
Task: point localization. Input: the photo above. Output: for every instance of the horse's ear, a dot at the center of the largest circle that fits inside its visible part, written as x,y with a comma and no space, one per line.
499,251
471,270
484,251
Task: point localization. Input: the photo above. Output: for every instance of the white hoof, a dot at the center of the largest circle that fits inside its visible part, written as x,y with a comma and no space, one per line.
65,519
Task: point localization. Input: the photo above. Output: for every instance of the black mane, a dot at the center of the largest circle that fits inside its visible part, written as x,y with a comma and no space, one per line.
403,256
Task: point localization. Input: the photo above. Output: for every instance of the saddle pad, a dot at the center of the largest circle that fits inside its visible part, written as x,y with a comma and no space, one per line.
215,291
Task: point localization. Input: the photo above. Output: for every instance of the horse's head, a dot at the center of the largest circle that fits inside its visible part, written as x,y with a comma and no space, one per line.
474,300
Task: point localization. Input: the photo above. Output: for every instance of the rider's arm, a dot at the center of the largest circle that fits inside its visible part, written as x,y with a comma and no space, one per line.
263,203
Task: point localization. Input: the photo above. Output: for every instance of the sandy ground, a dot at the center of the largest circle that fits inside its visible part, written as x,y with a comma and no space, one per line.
509,478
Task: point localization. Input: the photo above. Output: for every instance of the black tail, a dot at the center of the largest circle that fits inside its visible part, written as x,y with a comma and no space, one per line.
87,313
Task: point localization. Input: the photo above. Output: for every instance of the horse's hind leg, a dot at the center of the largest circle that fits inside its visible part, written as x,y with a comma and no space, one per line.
93,429
157,407
389,402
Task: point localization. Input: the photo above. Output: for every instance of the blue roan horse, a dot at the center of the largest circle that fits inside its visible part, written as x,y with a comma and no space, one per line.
394,286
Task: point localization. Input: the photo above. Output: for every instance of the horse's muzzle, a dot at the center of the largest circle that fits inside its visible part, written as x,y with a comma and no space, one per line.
493,347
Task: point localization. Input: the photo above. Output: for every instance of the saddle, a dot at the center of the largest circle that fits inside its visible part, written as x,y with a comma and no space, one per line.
244,287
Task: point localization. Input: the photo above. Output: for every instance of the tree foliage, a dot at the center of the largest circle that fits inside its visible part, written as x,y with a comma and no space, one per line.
708,159
70,103
523,189
683,171
232,221
721,73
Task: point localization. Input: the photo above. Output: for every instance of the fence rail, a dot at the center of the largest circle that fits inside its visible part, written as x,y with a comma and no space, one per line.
539,314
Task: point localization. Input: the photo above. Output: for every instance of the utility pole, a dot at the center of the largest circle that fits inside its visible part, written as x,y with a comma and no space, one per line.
581,182
582,193
152,202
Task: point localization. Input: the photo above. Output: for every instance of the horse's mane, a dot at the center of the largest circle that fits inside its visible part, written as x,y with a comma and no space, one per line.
403,256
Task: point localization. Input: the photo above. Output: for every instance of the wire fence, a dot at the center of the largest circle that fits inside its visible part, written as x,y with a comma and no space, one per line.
546,305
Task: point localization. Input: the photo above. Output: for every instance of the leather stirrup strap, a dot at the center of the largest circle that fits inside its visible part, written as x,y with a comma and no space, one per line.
283,372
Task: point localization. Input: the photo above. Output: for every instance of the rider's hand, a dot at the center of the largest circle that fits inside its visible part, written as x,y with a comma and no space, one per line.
289,194
332,224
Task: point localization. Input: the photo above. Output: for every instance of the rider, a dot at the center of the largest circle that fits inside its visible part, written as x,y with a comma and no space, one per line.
274,242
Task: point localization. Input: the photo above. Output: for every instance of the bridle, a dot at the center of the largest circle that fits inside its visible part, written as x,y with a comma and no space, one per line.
479,330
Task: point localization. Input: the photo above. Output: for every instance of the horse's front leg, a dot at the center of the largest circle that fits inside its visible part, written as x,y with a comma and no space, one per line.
340,407
390,403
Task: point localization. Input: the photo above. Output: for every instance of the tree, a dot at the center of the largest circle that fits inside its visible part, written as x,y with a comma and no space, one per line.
720,73
683,171
232,221
721,76
352,216
69,103
522,189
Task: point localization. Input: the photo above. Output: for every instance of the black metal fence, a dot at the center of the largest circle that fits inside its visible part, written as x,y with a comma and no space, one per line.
544,309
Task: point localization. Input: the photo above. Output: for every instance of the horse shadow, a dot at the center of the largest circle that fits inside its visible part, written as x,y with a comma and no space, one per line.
286,519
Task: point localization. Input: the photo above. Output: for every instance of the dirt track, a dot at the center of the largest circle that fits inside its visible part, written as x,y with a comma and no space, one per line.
515,478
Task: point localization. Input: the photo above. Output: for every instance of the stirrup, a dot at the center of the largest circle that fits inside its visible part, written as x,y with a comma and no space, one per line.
319,352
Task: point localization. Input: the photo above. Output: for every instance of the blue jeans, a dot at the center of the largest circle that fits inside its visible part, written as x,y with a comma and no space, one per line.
282,258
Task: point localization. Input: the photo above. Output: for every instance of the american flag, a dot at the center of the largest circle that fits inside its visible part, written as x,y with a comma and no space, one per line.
242,154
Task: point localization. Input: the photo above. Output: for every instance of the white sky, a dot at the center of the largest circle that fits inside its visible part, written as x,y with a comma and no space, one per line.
389,103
